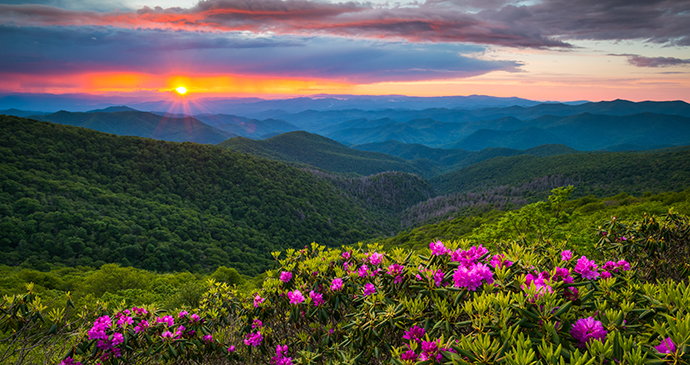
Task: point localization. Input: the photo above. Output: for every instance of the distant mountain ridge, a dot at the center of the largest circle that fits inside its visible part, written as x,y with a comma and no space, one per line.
141,124
454,159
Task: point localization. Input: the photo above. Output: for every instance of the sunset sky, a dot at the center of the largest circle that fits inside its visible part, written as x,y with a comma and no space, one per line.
542,50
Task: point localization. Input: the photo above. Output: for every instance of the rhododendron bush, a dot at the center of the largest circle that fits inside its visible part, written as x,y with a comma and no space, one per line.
456,303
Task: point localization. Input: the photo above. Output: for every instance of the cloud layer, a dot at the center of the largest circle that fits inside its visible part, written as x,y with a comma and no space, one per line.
545,24
104,49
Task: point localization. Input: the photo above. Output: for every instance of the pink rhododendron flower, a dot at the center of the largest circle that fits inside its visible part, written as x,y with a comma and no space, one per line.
409,356
438,277
398,279
369,289
97,331
182,314
472,277
258,300
438,248
141,326
253,339
124,320
346,255
169,320
566,255
587,329
231,348
605,275
586,268
468,257
195,317
666,347
337,284
317,298
623,265
395,269
430,351
375,258
363,271
281,357
285,276
415,333
69,361
563,274
296,297
256,324
167,334
117,339
208,338
498,262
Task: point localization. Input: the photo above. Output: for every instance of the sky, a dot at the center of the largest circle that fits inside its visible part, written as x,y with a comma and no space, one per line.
557,50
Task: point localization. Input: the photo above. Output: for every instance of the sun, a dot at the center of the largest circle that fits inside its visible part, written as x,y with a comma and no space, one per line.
181,90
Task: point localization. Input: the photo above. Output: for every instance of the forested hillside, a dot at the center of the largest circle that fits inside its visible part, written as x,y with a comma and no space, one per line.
598,173
314,150
74,196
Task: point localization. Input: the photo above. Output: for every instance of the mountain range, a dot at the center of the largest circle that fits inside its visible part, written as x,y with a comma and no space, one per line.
613,126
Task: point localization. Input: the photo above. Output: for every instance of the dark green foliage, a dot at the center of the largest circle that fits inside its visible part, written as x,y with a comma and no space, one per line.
227,275
142,124
481,224
311,149
79,197
658,246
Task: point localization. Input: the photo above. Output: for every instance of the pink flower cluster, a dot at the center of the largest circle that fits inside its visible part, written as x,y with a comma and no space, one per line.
169,320
296,297
257,324
258,300
375,258
438,248
611,266
437,276
472,276
396,270
124,320
99,327
586,268
337,284
541,282
587,329
666,347
69,361
317,298
369,289
468,257
498,261
285,276
566,255
253,339
415,333
281,357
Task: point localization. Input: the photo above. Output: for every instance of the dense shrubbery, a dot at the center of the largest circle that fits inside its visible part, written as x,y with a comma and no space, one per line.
457,304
